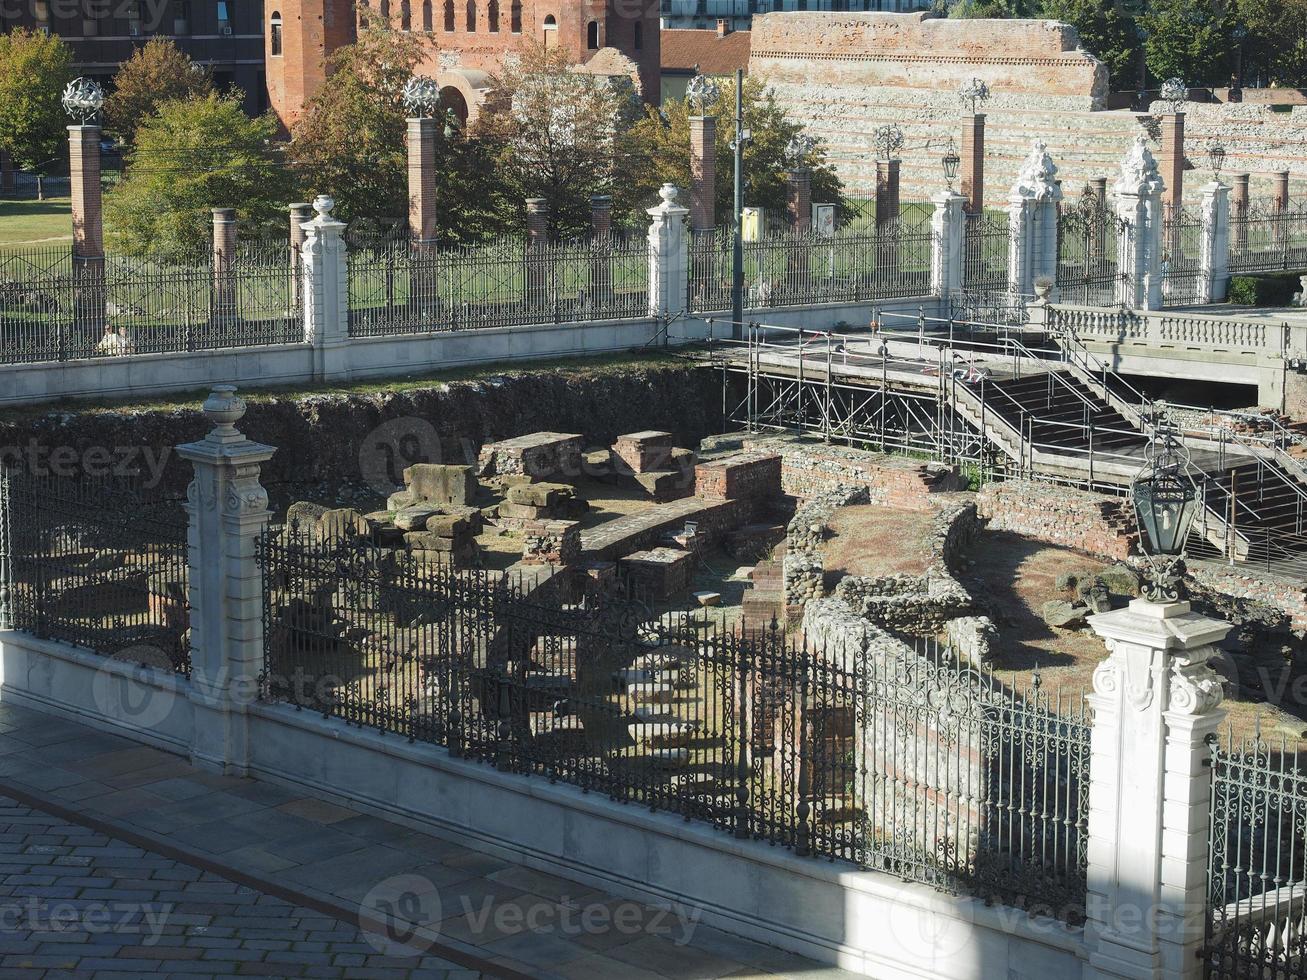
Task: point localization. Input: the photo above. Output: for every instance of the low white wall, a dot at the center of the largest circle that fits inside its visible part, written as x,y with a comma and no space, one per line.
863,921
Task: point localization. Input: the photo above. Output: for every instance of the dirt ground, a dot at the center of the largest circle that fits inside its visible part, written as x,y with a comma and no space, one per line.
870,540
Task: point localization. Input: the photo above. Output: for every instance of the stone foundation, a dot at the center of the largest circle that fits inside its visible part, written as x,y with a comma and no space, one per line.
540,455
551,542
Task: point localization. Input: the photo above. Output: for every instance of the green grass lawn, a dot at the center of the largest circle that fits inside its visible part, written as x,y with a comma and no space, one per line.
45,222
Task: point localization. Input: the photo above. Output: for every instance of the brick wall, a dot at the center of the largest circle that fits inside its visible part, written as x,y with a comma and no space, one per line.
750,475
1089,522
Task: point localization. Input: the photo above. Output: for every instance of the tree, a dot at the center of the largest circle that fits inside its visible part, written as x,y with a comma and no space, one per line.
1105,32
562,135
662,143
157,73
34,68
191,156
1275,49
351,143
1189,39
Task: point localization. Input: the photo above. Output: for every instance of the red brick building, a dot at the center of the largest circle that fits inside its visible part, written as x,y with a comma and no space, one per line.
466,41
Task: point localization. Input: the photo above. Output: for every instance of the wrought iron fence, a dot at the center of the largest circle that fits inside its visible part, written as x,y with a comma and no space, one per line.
1257,882
1182,261
790,268
99,564
899,759
401,288
1267,237
986,252
1088,260
56,307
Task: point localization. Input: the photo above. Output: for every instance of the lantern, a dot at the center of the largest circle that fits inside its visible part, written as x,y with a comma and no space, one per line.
1165,501
950,162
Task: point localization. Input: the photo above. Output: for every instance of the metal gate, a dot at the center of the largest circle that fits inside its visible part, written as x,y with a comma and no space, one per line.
1088,236
1182,264
985,251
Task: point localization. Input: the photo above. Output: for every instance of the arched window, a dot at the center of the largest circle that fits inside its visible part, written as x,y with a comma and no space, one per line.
471,16
592,35
274,32
426,15
639,35
515,13
449,15
492,16
383,11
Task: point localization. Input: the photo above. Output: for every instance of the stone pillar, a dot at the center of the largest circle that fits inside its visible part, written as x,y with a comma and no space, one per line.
325,263
537,221
422,137
1215,246
669,256
1139,205
1155,701
228,511
949,225
1032,223
88,230
1172,162
703,172
1239,210
1098,185
798,199
224,265
299,213
537,242
973,163
601,216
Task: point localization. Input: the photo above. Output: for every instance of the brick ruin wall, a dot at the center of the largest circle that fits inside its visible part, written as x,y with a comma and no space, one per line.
845,74
1090,522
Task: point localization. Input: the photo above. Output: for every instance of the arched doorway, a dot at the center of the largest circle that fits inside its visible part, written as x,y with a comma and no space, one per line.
551,32
452,98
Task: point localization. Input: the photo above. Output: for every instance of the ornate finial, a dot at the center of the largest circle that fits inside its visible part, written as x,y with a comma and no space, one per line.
702,93
82,99
888,140
1139,173
975,93
798,149
669,193
1174,93
421,97
323,204
1037,178
224,408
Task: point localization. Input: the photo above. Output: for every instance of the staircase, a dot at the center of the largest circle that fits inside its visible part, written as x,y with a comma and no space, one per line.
1257,511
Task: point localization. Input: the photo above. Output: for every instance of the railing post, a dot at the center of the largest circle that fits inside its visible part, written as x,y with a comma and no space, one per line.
1155,703
228,510
1139,209
325,263
948,227
1215,246
669,256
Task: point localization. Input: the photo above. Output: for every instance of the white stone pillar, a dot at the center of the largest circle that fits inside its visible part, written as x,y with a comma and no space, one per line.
325,262
1139,207
669,256
1155,701
1215,254
1032,222
228,511
948,225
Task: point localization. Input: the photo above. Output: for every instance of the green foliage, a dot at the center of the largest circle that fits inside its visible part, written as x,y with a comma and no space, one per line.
1276,45
978,9
1189,39
34,68
194,155
157,73
662,140
1105,32
1269,289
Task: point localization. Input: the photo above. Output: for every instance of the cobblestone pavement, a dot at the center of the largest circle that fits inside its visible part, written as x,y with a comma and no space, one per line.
261,879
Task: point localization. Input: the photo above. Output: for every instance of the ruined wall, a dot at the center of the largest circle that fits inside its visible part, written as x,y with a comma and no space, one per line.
843,75
1090,522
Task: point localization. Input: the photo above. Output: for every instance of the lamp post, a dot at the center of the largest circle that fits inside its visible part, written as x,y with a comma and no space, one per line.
1165,500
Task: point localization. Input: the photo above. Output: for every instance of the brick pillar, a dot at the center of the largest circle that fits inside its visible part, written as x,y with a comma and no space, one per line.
1239,213
887,214
88,229
601,215
299,213
601,232
1281,192
703,172
1171,163
7,182
973,163
537,242
798,187
228,510
422,180
224,264
1098,185
1155,702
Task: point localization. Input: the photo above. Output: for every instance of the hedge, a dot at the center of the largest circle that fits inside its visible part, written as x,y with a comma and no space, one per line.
1267,289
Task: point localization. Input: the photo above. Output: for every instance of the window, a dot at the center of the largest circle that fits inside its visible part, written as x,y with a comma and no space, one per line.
133,18
274,32
492,17
471,16
383,11
639,35
224,16
515,13
592,35
449,15
426,15
181,17
405,16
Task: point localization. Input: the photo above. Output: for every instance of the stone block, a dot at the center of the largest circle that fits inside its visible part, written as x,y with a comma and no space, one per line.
344,524
440,483
539,494
658,573
428,541
414,518
744,476
546,542
642,452
449,525
540,456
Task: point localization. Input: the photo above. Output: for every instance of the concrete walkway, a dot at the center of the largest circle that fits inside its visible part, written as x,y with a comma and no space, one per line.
398,902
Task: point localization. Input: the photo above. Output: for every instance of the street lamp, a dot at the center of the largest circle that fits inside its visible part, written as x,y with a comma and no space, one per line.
1165,501
1216,159
950,162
